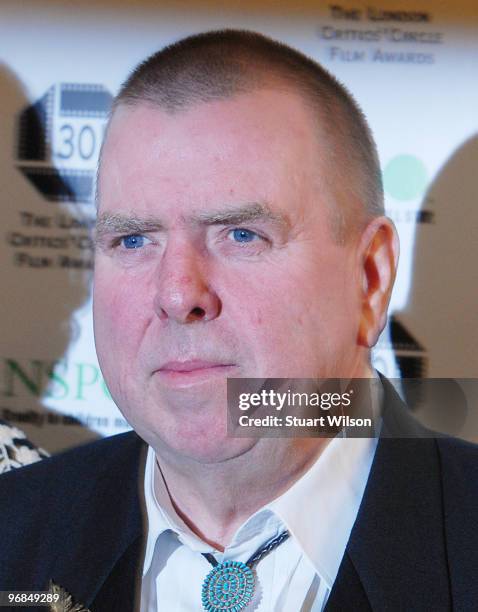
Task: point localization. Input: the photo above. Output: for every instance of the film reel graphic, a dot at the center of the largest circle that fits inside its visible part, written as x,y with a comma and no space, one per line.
59,138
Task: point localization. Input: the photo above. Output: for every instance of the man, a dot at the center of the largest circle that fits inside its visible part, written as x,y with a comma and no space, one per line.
241,234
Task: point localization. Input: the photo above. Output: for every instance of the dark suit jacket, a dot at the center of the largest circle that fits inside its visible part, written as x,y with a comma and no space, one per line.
76,518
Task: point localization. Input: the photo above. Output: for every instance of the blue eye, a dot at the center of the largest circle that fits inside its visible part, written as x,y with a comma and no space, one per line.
243,235
135,241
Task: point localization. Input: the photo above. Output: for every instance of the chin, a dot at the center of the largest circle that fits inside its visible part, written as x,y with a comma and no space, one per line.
215,453
187,424
202,449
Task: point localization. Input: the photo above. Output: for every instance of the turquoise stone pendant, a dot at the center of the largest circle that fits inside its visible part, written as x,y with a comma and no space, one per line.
228,587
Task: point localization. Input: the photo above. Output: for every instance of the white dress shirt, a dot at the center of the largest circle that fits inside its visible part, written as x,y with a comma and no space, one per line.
319,511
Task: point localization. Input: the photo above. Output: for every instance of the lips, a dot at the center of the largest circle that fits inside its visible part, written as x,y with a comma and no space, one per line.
191,365
192,372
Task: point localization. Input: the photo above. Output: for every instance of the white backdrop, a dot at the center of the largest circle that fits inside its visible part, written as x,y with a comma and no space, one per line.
414,73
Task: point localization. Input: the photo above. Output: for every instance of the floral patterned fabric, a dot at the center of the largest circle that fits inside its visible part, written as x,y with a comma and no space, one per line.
15,449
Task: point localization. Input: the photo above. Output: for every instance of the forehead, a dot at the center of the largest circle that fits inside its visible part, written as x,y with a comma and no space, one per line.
260,146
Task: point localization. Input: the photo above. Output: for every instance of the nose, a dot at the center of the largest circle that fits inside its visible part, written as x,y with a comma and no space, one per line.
184,294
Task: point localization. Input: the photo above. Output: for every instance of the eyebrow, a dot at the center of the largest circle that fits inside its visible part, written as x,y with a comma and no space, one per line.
249,212
115,223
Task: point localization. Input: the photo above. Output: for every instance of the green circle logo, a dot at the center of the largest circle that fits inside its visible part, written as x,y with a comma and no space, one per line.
405,177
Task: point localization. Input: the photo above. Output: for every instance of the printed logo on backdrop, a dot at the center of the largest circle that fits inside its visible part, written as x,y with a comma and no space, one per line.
58,142
379,36
410,354
398,354
405,181
59,139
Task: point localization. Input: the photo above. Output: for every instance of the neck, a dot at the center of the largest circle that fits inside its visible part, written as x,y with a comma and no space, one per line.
215,499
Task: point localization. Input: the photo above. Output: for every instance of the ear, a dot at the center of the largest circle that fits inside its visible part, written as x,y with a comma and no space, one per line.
378,250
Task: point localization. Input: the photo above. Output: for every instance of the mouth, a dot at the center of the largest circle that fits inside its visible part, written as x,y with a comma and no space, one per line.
194,371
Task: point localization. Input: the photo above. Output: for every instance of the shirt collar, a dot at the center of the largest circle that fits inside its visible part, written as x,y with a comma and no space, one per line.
319,510
161,514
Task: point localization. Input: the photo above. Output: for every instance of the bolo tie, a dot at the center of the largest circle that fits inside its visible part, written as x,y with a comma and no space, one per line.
229,586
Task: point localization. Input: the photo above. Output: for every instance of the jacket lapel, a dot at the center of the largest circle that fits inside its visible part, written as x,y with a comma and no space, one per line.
100,557
397,543
122,587
348,592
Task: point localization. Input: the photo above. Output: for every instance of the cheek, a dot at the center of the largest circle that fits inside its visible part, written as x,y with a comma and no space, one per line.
295,319
268,317
120,313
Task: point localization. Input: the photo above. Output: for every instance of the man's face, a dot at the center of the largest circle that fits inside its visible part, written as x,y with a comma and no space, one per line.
216,259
